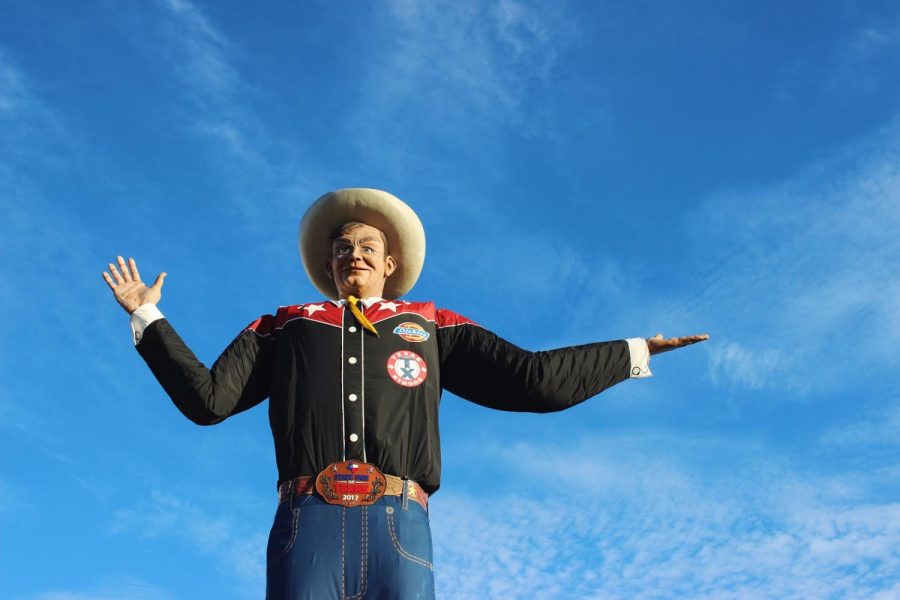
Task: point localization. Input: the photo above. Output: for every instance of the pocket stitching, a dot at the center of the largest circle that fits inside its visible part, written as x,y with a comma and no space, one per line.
290,545
400,549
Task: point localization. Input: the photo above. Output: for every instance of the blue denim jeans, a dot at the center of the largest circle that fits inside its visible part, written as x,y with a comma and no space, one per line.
320,551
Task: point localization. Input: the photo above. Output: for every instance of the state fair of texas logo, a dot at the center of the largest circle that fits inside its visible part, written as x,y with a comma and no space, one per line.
407,368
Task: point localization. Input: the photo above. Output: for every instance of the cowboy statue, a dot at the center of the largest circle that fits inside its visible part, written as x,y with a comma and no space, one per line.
354,384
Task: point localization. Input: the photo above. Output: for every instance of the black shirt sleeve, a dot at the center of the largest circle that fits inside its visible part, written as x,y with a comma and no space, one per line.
482,367
238,380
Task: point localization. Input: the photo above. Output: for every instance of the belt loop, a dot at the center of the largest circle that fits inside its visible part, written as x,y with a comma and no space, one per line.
292,487
404,497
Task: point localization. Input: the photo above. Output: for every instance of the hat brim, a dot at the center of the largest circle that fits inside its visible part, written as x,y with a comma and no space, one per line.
399,223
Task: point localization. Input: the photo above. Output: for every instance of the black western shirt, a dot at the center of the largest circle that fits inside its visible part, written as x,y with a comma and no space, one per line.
337,391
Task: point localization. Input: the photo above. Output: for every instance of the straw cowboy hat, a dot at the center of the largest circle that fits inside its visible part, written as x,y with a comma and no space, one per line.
399,223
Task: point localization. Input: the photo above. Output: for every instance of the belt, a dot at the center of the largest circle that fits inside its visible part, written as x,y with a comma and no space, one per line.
306,485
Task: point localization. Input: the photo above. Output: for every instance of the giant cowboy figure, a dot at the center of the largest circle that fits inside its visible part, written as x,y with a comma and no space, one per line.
354,385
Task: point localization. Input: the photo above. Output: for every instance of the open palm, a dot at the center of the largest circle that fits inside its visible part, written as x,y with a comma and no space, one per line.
658,344
127,287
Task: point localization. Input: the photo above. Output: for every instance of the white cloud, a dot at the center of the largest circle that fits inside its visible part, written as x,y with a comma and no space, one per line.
880,427
799,282
26,122
454,76
615,519
204,47
860,65
203,55
217,102
44,245
111,588
753,369
553,267
12,92
226,536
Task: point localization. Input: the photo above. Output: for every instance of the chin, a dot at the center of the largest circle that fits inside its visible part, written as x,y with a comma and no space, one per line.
355,282
354,287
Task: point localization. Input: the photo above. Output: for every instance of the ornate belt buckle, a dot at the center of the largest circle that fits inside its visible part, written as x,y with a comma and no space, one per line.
351,483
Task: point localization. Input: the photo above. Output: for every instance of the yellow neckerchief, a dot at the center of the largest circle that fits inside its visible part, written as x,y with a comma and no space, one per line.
351,302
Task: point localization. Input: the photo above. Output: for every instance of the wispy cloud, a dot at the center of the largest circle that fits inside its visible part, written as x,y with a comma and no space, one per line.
224,537
524,270
44,246
454,54
12,93
858,66
209,80
26,121
615,519
262,171
455,76
202,50
110,588
801,280
732,363
880,427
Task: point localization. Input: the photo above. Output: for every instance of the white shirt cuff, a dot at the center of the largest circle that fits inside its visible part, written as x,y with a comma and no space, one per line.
640,358
141,318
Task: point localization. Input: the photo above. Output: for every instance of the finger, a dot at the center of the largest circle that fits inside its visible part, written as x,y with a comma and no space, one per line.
157,285
126,273
109,281
115,273
134,270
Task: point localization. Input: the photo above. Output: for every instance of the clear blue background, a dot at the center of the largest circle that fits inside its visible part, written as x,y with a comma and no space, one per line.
584,171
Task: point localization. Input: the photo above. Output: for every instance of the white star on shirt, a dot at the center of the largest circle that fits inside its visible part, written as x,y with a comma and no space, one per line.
311,309
391,306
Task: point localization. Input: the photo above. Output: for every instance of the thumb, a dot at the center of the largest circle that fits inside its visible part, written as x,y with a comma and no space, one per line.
157,285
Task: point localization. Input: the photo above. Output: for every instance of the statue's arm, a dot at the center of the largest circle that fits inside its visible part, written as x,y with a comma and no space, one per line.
238,380
482,367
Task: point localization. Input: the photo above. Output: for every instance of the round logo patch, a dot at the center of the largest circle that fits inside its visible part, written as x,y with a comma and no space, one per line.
411,332
407,368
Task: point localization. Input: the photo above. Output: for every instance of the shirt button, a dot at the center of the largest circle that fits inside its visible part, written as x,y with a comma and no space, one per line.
352,360
353,437
352,329
352,397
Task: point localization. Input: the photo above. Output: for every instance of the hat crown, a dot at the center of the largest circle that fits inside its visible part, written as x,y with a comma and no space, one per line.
401,227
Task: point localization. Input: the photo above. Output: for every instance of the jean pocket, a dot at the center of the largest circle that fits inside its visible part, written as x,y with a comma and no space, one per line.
410,534
283,535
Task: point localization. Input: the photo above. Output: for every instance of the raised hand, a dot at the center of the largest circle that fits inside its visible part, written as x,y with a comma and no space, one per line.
127,287
658,343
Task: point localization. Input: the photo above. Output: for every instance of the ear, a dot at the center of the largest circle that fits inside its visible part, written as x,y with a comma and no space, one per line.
328,269
390,265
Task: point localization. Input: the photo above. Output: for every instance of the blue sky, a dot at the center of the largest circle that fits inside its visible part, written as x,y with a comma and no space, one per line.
584,171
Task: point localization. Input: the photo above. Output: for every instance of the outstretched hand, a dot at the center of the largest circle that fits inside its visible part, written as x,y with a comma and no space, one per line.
658,343
127,287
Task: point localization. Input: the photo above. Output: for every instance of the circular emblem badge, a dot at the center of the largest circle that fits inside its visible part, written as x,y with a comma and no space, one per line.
407,368
412,332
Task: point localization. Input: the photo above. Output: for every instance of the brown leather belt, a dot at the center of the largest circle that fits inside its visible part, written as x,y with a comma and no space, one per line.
306,485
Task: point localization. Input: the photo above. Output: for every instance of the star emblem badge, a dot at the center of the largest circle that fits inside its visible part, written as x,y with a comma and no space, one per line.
391,306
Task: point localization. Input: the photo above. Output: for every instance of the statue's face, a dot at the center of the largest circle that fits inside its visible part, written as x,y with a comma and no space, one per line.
359,263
